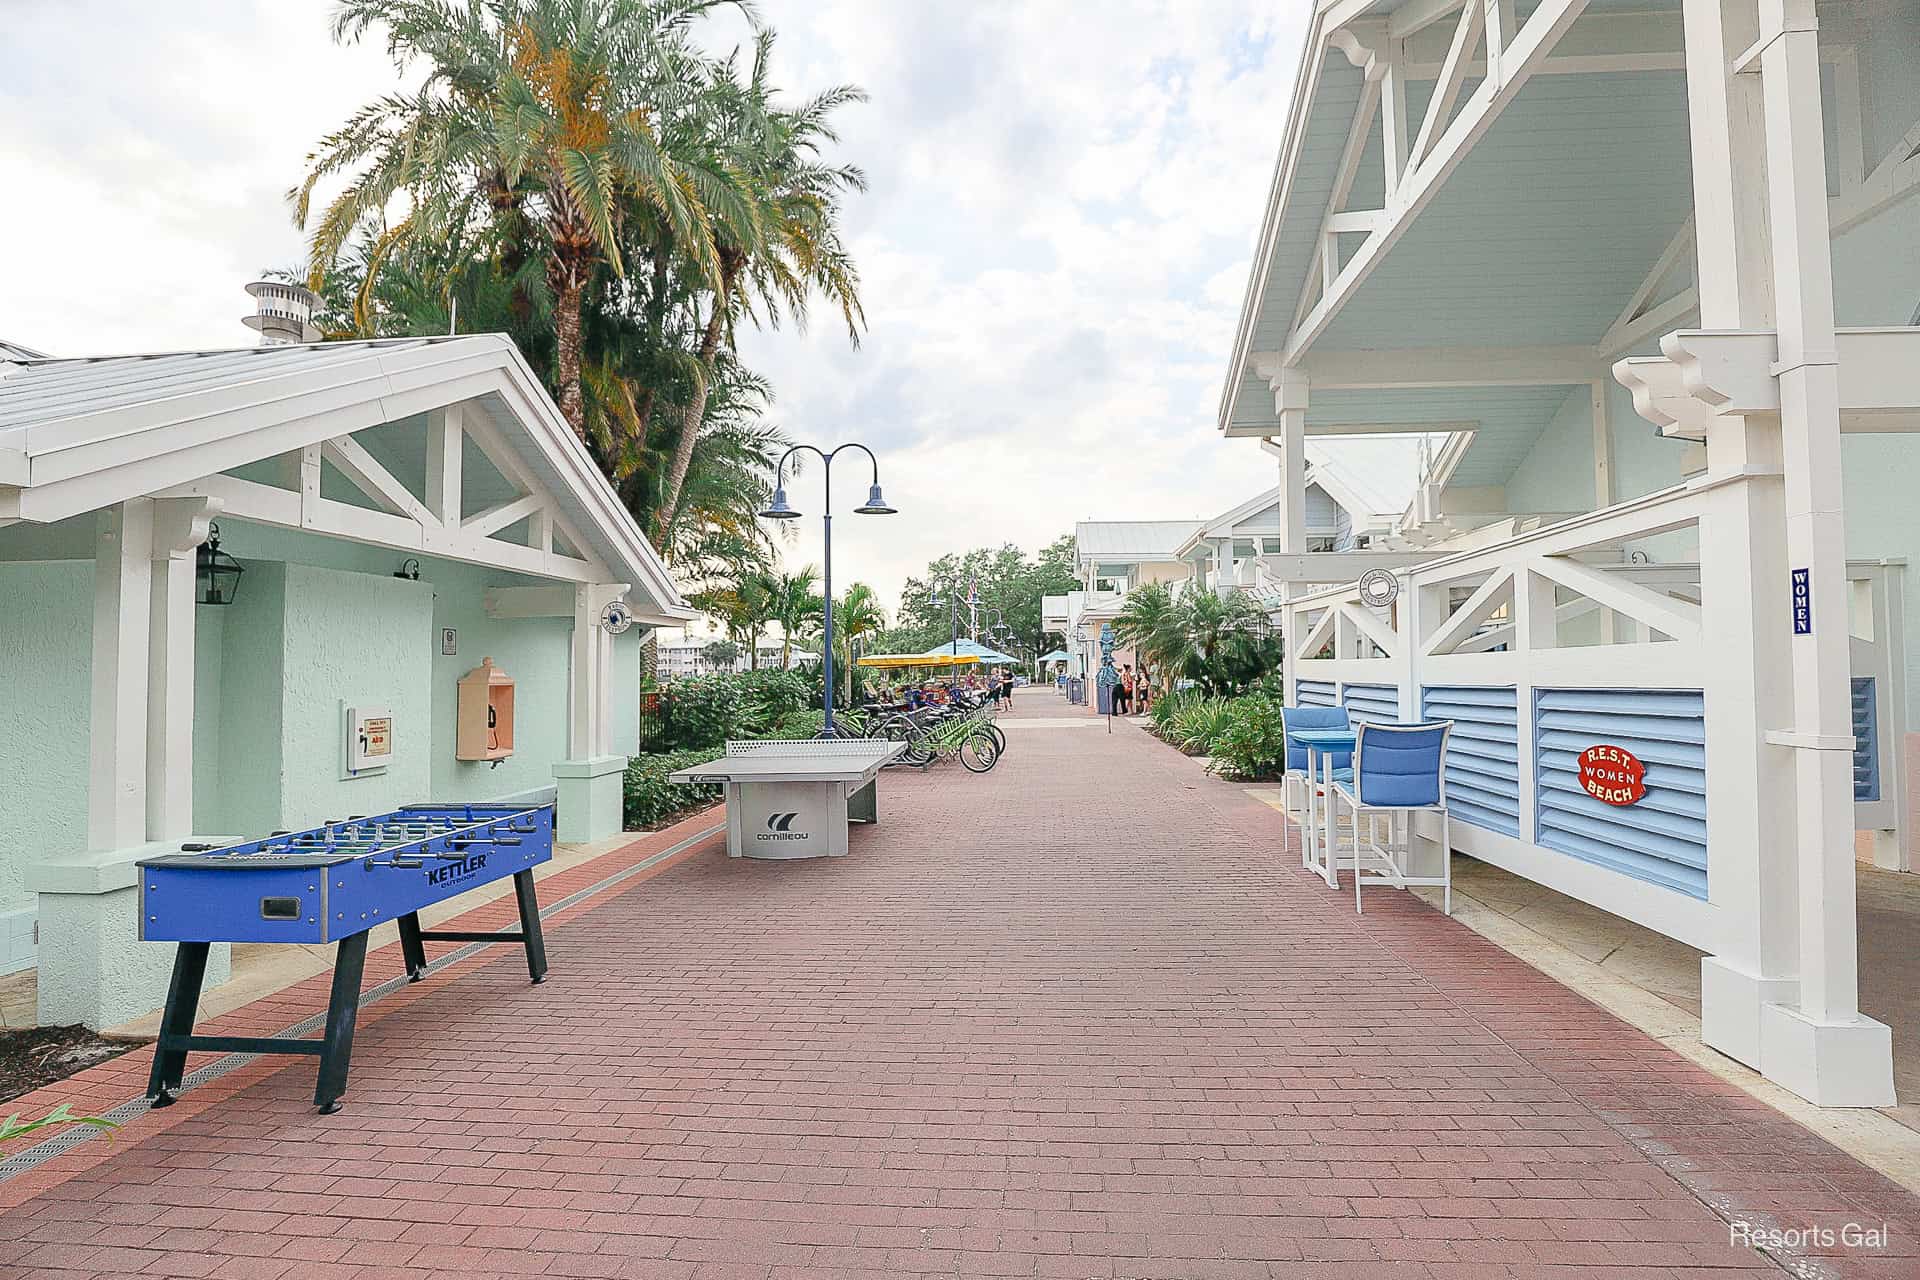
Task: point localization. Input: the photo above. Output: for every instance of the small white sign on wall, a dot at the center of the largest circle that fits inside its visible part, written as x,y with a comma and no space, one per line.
449,642
369,744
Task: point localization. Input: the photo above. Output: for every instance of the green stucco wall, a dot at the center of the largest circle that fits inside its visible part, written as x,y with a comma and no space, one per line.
353,639
46,633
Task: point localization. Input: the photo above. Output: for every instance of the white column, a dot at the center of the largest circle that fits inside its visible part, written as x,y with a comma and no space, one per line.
1825,1050
1536,629
1290,399
117,772
589,781
1742,559
179,527
589,673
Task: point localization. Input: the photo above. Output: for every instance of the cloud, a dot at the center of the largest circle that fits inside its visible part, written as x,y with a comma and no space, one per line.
1064,200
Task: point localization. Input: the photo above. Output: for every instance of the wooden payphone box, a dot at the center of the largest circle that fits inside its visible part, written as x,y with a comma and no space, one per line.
483,726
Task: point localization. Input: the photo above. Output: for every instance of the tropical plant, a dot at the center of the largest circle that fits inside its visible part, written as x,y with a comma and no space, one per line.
1220,642
856,613
536,127
796,606
780,239
1197,724
1250,744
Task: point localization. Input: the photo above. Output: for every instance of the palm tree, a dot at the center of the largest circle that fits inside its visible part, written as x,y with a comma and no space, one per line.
1219,641
773,256
1149,621
796,607
536,121
855,614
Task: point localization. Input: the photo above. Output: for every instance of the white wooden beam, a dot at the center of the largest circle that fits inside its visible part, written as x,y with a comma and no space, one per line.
1394,139
1654,609
1894,179
1528,48
1643,296
1355,220
1359,130
1656,321
268,504
484,524
1500,26
1490,596
1452,75
445,440
374,480
1446,367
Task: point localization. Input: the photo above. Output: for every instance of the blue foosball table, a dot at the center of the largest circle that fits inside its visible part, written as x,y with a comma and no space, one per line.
331,883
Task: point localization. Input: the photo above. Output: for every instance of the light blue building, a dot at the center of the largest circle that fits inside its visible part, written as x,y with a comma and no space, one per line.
1652,269
399,511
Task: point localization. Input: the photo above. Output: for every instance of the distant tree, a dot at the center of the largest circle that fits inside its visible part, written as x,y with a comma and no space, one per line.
1003,577
720,655
796,606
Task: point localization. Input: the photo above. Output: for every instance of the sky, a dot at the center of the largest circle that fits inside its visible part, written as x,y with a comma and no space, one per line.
1054,246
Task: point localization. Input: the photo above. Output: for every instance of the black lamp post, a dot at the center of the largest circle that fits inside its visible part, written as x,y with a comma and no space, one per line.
952,600
875,505
216,574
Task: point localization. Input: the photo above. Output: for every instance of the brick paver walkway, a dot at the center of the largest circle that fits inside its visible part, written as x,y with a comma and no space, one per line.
1076,1018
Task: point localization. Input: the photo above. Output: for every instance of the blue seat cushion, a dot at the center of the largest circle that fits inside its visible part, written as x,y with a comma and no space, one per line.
1400,765
1297,719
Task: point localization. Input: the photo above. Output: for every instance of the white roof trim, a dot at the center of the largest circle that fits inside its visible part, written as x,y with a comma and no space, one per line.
103,450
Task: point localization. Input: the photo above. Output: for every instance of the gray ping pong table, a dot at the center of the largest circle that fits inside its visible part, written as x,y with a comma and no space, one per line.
795,798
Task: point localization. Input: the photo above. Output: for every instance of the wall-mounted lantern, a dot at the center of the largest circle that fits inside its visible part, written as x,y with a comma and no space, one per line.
216,574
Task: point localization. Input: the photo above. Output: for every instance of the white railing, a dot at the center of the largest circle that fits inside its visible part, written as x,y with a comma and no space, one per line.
1609,601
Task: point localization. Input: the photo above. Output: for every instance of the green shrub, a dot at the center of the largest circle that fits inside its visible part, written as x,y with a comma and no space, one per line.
805,723
1251,743
699,713
767,697
1165,707
1197,724
651,801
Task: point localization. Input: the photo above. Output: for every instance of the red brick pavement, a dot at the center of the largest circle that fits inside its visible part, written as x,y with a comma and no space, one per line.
1077,1018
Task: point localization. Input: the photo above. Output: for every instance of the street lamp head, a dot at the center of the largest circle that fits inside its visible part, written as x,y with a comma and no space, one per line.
875,505
778,508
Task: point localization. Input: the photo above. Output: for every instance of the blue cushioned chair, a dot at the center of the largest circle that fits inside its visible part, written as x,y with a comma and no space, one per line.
1299,718
1398,770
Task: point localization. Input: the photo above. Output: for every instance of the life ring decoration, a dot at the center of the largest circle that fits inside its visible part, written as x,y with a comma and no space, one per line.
1379,588
616,617
1613,775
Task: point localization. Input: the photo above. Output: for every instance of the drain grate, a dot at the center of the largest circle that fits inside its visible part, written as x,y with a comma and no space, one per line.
68,1139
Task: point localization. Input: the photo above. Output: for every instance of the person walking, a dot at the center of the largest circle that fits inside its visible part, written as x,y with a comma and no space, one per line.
1123,692
1142,690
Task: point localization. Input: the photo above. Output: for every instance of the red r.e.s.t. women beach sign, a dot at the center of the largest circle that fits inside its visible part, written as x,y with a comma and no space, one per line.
1613,774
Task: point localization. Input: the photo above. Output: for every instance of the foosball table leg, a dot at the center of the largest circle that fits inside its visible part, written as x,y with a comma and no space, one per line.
412,948
343,1007
176,1022
530,925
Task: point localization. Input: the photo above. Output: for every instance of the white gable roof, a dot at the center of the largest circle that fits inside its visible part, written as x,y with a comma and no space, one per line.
77,435
1371,476
1131,541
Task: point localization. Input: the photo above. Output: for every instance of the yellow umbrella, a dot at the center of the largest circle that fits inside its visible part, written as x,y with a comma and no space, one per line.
918,660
